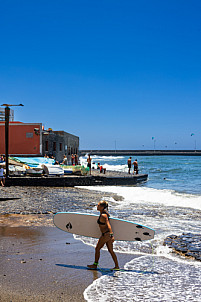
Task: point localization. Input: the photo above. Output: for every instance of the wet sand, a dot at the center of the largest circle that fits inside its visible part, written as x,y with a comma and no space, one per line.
40,263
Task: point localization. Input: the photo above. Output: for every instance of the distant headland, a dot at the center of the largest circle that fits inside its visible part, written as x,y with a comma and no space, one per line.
141,152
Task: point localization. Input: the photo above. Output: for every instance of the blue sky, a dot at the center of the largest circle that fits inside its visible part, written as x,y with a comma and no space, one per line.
108,71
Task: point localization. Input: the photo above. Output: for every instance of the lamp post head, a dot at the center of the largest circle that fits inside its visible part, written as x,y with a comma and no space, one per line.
10,105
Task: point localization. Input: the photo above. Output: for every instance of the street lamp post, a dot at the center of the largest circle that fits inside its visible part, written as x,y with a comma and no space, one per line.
7,114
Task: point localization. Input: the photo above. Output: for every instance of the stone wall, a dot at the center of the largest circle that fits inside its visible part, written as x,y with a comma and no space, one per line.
71,181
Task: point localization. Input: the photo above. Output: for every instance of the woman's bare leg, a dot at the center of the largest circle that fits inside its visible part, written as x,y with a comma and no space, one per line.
99,246
114,257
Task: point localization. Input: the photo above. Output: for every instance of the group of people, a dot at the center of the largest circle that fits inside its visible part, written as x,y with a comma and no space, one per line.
99,167
102,170
74,159
135,166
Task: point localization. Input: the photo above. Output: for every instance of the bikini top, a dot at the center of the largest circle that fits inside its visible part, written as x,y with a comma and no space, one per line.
103,223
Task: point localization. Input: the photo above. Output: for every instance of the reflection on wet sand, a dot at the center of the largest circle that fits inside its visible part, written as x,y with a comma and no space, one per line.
18,220
30,234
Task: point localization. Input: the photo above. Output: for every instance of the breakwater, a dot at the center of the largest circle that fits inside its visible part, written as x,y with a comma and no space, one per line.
141,152
71,181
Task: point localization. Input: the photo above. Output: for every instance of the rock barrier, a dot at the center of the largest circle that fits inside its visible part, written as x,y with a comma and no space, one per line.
187,244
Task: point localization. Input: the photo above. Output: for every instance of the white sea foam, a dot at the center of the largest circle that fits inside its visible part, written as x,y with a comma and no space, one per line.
148,279
168,198
167,252
119,168
106,158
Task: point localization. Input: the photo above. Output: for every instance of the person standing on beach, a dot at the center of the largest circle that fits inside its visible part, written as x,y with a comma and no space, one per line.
76,159
107,236
2,179
89,163
72,159
64,162
135,164
129,165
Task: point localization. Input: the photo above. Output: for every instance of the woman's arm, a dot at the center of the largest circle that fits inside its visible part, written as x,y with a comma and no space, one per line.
109,226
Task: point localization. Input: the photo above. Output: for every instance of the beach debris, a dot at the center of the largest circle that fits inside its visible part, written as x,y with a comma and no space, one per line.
23,261
187,244
117,197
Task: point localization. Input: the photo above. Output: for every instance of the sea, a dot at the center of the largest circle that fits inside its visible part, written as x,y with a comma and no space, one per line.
168,202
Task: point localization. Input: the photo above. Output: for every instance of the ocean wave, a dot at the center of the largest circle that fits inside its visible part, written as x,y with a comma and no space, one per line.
104,157
118,168
108,158
152,196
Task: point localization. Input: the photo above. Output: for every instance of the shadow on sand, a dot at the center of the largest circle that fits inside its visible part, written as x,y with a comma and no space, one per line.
107,271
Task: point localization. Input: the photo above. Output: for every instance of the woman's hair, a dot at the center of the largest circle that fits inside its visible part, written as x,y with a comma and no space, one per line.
104,204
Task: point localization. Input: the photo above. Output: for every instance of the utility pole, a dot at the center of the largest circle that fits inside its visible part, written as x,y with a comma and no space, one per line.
7,115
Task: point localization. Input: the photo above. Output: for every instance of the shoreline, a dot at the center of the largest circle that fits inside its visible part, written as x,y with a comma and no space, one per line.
45,264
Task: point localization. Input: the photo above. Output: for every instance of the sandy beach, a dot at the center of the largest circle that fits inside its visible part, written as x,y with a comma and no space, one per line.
42,263
38,262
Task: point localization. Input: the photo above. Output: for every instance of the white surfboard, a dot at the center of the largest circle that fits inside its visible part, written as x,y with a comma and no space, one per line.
86,225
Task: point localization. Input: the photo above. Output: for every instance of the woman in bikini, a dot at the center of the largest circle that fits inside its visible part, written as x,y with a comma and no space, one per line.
106,237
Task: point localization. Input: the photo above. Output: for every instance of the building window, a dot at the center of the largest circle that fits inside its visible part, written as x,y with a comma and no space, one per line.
54,146
46,145
60,146
29,135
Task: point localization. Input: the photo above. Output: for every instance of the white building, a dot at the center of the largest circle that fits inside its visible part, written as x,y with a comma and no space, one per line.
2,114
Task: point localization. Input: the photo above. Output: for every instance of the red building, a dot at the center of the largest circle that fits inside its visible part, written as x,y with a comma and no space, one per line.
30,139
24,138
